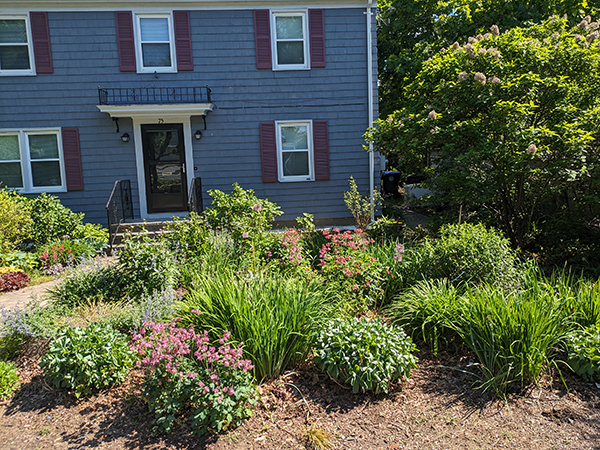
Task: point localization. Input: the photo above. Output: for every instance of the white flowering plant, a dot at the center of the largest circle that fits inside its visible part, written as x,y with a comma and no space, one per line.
366,354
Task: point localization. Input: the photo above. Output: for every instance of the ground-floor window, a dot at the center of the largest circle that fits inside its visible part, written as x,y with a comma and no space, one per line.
32,160
295,151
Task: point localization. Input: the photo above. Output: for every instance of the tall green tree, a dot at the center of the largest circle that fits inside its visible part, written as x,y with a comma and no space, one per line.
412,31
508,126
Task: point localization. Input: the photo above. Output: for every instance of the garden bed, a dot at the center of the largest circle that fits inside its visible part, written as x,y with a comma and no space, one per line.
436,408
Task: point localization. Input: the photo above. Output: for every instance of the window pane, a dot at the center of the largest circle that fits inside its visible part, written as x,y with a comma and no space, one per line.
43,146
290,52
155,29
46,173
14,57
289,27
156,55
9,148
13,32
295,164
294,138
10,175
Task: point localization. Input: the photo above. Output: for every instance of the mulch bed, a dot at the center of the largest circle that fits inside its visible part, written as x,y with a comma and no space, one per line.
437,408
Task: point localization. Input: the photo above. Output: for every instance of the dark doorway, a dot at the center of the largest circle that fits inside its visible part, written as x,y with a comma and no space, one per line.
164,167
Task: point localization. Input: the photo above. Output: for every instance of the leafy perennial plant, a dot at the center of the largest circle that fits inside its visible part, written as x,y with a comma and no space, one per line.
185,371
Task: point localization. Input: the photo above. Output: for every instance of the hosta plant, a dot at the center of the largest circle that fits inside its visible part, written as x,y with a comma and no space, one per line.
83,359
367,354
583,348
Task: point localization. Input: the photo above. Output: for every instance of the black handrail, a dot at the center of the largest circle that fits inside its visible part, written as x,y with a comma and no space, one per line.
118,208
195,202
153,95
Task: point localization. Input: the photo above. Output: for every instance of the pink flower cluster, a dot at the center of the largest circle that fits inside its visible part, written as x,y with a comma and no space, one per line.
165,343
291,241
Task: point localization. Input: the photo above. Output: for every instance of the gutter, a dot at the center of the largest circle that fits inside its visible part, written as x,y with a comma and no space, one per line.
370,106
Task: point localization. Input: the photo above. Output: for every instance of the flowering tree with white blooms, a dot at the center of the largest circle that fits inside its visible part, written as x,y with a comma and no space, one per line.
507,125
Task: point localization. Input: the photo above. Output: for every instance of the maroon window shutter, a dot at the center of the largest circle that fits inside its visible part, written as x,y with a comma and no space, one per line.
40,33
262,38
316,31
125,41
183,40
72,155
321,148
268,152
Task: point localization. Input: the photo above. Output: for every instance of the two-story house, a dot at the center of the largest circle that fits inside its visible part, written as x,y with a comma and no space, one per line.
274,95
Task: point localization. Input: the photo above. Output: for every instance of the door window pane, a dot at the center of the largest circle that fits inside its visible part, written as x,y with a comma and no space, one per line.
9,148
13,32
43,146
10,175
295,164
289,27
294,138
46,173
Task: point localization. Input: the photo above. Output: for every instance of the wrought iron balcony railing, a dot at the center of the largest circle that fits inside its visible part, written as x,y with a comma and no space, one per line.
153,95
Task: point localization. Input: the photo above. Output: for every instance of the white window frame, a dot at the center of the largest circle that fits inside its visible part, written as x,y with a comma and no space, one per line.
138,44
21,72
309,137
304,15
26,172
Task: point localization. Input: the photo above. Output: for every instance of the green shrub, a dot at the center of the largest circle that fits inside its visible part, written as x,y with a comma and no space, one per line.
186,373
91,231
361,207
583,347
15,221
274,317
514,335
367,354
84,359
93,281
188,237
240,213
428,310
9,379
147,266
51,220
387,230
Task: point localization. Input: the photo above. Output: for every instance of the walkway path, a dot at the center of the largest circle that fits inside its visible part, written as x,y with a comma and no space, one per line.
20,298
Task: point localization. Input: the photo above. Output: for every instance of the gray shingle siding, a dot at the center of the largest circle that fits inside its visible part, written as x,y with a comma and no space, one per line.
84,50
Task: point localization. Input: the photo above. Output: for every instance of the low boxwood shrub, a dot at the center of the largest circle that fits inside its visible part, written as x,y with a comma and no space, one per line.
366,354
84,359
583,348
9,379
186,373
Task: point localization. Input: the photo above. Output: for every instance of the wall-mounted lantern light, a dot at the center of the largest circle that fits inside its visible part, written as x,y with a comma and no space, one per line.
198,135
125,137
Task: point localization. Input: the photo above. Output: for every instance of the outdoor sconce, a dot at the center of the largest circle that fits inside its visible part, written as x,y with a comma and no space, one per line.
198,135
125,137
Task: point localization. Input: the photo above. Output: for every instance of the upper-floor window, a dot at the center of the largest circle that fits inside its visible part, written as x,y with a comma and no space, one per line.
290,43
32,160
16,55
155,43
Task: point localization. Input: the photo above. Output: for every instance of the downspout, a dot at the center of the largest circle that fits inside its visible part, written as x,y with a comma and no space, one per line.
370,96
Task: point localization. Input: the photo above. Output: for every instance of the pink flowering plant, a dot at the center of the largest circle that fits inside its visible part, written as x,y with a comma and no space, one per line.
187,373
345,258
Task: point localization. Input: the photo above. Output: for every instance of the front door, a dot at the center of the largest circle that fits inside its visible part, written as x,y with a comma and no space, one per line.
164,168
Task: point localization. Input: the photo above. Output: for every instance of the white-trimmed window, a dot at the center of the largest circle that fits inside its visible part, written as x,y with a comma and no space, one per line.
16,52
290,40
295,151
32,160
155,43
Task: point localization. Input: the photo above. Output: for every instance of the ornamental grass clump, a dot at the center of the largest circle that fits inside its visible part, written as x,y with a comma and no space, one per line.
186,373
366,354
